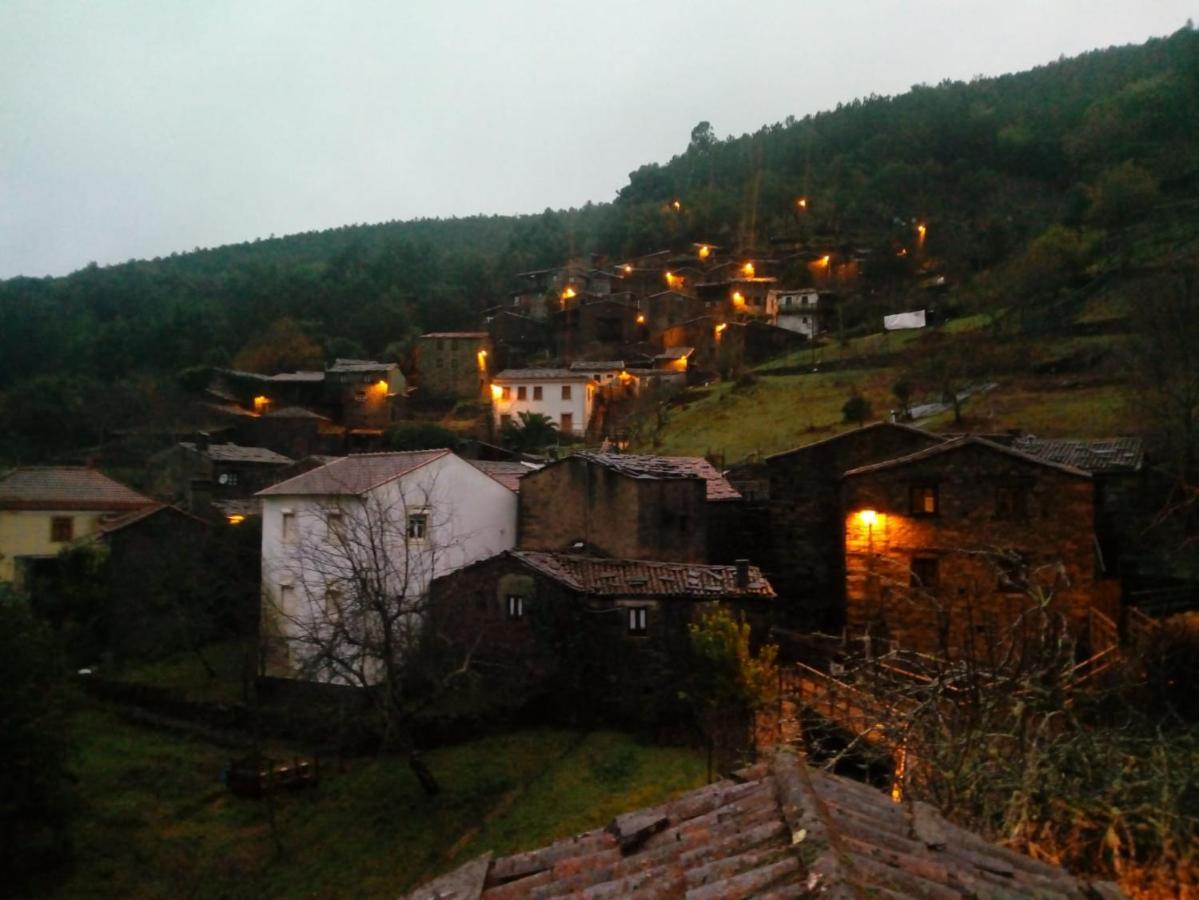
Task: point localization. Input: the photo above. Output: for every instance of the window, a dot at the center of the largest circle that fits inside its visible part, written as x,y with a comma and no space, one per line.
335,523
287,599
506,393
62,529
637,620
566,392
924,572
418,526
516,607
924,500
333,603
522,393
228,479
1011,502
287,525
568,423
537,392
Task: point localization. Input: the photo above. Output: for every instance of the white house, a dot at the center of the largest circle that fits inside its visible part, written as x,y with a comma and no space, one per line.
566,397
798,311
367,526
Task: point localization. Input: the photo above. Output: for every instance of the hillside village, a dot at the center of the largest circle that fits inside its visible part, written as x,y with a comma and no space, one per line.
847,553
573,574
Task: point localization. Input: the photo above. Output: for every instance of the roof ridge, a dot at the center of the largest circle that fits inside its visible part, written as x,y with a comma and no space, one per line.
957,443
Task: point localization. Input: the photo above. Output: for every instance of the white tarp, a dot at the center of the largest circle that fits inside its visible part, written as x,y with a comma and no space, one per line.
899,321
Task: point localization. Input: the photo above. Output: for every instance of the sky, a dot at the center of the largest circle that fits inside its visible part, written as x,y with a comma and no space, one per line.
135,128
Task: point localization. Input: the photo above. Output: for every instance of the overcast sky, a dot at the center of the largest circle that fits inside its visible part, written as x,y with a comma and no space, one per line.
132,129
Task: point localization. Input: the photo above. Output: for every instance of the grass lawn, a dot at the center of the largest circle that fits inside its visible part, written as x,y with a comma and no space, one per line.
774,414
156,821
185,673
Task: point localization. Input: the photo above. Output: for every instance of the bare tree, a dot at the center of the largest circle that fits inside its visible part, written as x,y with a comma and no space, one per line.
355,611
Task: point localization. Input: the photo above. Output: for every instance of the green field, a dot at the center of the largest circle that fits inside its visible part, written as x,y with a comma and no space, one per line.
156,820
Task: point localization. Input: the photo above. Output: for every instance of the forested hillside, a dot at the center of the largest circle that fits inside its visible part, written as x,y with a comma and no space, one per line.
1030,184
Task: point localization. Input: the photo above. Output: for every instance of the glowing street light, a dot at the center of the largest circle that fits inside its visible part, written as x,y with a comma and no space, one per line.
676,206
738,298
802,202
704,251
748,270
568,293
867,517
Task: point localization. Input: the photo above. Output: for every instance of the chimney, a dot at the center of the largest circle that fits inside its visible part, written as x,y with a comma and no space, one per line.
202,441
742,573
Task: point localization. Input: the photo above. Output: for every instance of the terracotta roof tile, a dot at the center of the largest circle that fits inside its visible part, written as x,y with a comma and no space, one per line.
66,487
237,453
355,474
644,578
506,473
788,831
647,466
1126,454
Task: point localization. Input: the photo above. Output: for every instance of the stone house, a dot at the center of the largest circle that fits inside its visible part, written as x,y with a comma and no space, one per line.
665,309
607,634
199,474
805,311
45,508
947,547
805,556
395,520
597,327
566,397
454,365
516,339
669,508
365,394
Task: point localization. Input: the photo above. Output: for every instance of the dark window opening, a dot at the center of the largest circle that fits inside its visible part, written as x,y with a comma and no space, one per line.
1011,502
924,572
62,529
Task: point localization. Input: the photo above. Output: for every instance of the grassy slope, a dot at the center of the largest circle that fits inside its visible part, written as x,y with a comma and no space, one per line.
783,411
156,820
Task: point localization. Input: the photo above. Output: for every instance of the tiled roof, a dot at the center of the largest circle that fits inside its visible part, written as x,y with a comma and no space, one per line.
777,830
506,473
110,524
644,578
540,375
238,453
1125,454
605,365
355,474
958,444
359,365
675,352
294,412
646,466
66,487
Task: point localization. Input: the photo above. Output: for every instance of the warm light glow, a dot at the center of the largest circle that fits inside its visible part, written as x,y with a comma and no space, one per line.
748,270
867,517
825,260
704,251
568,293
627,268
903,251
481,356
235,519
261,403
738,298
921,230
381,386
720,330
676,206
640,318
673,280
496,392
802,202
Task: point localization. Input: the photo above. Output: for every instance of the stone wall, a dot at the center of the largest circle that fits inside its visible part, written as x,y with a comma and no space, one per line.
962,580
449,367
806,556
628,518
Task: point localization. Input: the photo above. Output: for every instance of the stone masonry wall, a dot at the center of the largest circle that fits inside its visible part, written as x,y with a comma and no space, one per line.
990,564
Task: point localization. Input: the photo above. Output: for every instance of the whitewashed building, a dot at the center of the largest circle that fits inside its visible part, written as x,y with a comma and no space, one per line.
386,523
798,310
566,397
